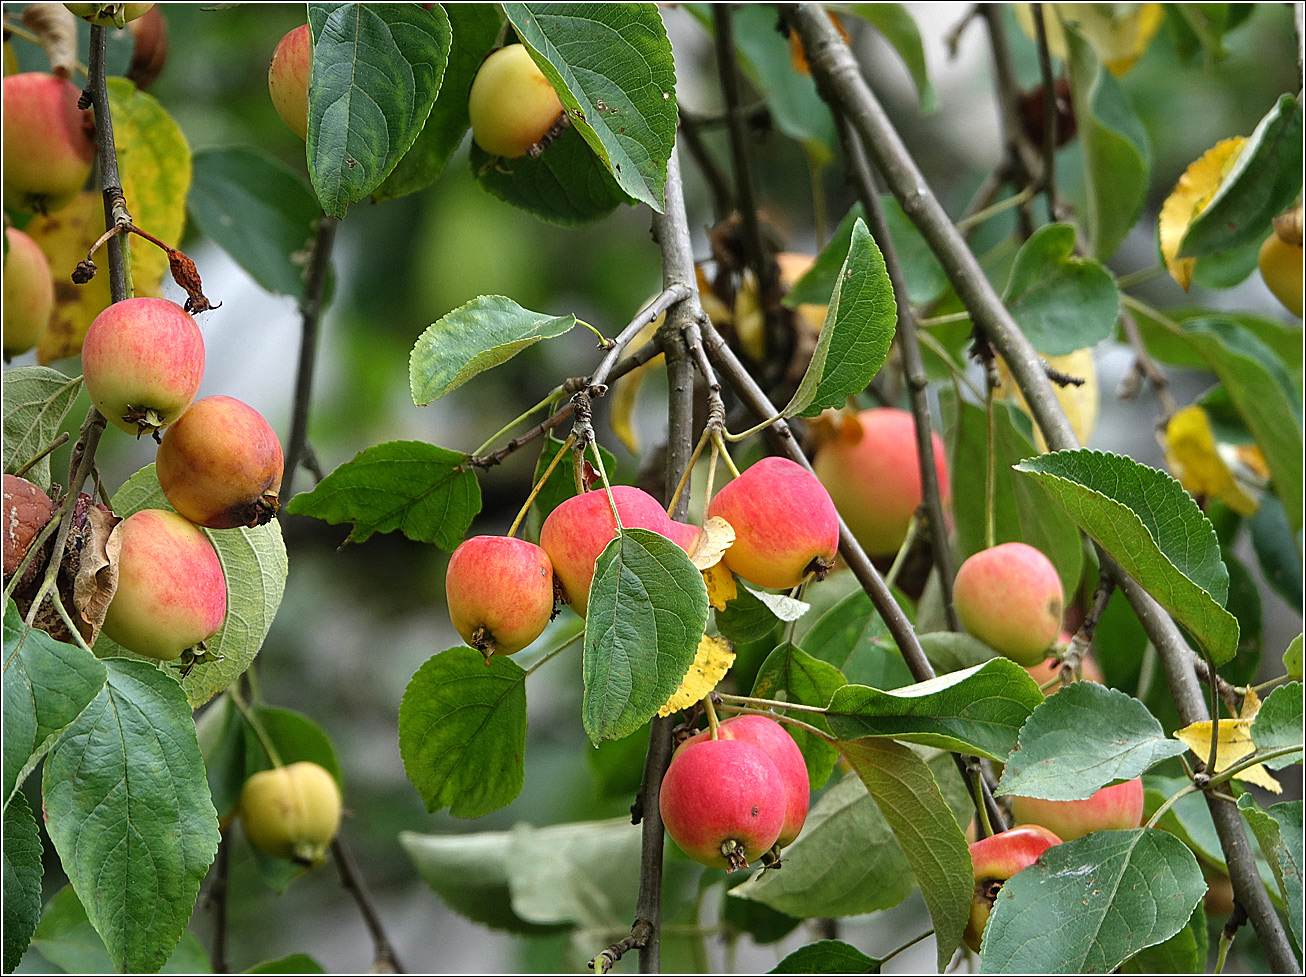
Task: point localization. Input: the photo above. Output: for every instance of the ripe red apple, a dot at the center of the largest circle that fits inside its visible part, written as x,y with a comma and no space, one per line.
28,293
723,802
500,593
576,532
26,511
511,105
292,812
172,595
143,360
996,859
785,524
1010,597
49,143
1117,808
875,479
682,534
220,465
770,737
288,78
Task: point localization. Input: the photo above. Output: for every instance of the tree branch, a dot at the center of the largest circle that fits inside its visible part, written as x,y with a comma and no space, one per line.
384,959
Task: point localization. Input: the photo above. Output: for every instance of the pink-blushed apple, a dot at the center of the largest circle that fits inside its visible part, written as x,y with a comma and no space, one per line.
1115,808
996,859
500,593
49,143
1010,597
288,79
28,293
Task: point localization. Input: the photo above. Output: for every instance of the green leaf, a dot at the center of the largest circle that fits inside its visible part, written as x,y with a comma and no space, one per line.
294,963
375,75
425,492
1292,658
1278,724
1264,180
613,70
568,185
1266,398
1060,301
928,833
1183,953
295,737
1117,160
487,331
746,617
561,485
647,610
1169,345
1244,603
128,809
1272,539
827,956
47,684
255,567
1083,738
22,879
1279,831
1113,892
858,331
65,939
220,730
854,638
845,862
1146,520
36,400
978,710
792,675
257,210
759,921
895,22
462,732
1023,512
475,27
950,651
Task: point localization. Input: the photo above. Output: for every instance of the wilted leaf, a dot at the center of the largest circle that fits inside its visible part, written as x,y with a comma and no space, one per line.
714,658
1192,195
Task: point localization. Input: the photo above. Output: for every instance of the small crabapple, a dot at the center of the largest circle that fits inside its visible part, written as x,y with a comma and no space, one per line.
143,360
28,293
996,859
26,511
874,477
292,812
512,106
785,524
220,465
172,595
49,143
723,802
288,78
500,593
1280,263
1115,808
1010,597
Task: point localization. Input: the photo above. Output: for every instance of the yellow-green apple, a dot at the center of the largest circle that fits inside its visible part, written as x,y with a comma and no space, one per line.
511,106
28,293
1010,597
292,812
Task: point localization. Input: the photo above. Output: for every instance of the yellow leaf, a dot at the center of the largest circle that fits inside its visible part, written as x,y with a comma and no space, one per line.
1079,402
1192,195
714,658
1119,33
1193,457
721,586
750,321
1235,743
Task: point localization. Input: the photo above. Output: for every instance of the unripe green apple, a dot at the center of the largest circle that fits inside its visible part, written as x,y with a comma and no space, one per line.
26,511
578,530
292,812
875,478
109,14
785,524
49,143
288,78
770,737
1010,597
28,293
220,465
723,802
172,595
500,593
511,105
1281,268
1116,808
996,859
143,360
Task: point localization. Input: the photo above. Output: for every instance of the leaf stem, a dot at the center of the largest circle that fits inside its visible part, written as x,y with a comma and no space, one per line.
787,720
906,946
1183,791
1260,756
552,396
990,473
27,466
252,721
913,530
1002,206
548,656
758,703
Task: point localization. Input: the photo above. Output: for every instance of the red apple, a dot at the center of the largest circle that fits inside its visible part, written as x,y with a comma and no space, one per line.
49,143
500,593
288,78
1010,597
1117,808
996,859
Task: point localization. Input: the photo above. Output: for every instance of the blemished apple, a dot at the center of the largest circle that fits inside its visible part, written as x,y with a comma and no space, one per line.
1010,597
723,802
785,524
500,593
292,812
875,478
996,859
1115,808
26,511
512,106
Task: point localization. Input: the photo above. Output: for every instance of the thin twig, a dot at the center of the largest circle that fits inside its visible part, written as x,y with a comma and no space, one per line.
1144,367
384,959
1023,161
217,902
640,933
723,198
1050,114
310,314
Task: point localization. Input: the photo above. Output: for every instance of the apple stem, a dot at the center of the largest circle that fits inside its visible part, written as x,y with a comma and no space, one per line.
689,468
713,724
711,476
607,486
535,489
725,454
252,721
